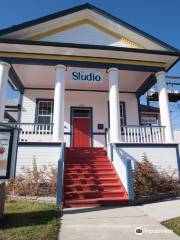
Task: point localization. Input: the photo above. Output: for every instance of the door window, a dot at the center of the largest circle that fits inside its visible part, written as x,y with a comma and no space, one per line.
81,113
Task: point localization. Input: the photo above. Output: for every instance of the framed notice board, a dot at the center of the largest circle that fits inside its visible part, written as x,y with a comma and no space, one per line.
6,137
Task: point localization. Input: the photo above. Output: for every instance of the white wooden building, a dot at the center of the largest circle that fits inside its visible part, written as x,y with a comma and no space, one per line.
81,73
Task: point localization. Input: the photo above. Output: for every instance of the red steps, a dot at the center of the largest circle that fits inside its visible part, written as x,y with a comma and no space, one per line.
97,202
86,165
89,175
85,158
93,194
89,171
91,187
91,180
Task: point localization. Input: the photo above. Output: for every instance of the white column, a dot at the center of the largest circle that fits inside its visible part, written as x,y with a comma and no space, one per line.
164,106
4,70
58,130
114,108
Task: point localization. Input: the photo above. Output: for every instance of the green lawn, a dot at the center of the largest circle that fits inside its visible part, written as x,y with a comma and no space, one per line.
173,224
25,220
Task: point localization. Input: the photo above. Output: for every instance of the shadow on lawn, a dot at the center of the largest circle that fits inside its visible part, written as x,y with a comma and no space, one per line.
24,219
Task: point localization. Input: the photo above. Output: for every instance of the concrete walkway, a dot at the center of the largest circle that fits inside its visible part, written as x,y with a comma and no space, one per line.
118,223
164,210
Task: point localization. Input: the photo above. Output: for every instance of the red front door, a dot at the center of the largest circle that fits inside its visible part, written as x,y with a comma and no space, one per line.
81,132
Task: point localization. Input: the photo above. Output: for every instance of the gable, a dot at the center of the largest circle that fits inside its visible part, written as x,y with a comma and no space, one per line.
86,33
86,12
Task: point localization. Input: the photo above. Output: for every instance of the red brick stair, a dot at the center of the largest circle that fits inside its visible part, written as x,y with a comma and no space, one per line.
91,180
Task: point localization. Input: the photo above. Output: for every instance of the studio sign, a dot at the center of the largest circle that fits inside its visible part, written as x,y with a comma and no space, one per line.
86,77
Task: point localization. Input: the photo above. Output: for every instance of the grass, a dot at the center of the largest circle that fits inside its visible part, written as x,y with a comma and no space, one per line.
25,220
173,224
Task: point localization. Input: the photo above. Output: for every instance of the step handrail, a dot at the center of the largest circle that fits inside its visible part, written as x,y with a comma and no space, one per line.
60,176
123,168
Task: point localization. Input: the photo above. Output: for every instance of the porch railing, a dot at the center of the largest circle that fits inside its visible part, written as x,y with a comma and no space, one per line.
143,134
34,132
140,134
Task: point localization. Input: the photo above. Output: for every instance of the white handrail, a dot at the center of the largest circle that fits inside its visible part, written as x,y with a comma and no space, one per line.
123,168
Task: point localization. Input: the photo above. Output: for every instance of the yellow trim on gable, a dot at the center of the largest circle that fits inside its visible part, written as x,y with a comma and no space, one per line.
79,23
82,59
57,30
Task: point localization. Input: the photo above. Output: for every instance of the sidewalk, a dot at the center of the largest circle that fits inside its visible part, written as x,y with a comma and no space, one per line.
164,210
118,222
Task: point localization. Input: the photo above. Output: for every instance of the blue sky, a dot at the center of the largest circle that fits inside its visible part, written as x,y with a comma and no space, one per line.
157,17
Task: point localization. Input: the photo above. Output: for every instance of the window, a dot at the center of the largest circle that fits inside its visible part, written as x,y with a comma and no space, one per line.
122,114
44,112
81,113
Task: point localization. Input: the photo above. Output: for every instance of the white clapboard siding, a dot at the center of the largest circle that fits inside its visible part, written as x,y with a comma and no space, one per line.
99,103
164,158
99,140
176,133
29,103
97,100
44,155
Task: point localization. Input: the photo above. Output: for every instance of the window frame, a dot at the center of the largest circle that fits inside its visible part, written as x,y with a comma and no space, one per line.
123,104
38,100
123,117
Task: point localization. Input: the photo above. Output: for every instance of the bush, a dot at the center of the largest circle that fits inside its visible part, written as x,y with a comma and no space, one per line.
149,181
34,182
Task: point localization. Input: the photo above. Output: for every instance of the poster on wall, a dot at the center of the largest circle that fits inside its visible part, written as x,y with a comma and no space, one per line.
149,120
5,138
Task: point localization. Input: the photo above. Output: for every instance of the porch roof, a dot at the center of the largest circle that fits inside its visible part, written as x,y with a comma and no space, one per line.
33,63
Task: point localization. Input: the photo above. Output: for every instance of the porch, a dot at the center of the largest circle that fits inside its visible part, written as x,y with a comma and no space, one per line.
103,77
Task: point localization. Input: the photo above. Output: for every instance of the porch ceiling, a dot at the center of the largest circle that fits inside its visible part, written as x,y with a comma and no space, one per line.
43,76
34,63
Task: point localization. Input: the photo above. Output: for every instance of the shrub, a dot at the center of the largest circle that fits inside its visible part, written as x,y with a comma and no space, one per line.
149,181
34,182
